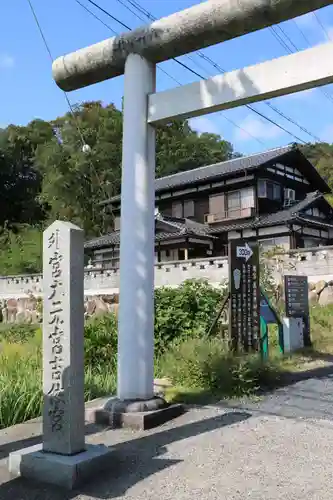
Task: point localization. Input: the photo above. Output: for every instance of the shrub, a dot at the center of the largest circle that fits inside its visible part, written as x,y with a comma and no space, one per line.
184,312
100,341
208,365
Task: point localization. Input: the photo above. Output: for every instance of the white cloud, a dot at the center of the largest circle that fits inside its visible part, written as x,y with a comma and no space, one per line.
256,128
204,124
6,61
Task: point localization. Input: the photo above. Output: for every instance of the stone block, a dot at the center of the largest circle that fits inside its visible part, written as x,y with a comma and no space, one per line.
313,298
137,415
326,297
67,471
320,286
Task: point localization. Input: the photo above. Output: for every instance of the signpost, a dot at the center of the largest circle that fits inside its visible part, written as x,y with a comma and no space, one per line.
269,316
296,296
244,326
296,292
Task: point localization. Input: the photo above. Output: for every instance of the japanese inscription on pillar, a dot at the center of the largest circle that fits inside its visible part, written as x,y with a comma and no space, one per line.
63,327
55,296
244,325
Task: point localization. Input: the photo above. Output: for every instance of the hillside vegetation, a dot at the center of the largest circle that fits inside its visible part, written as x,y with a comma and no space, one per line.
45,175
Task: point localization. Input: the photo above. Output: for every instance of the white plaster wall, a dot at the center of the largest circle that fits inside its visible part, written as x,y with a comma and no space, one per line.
316,263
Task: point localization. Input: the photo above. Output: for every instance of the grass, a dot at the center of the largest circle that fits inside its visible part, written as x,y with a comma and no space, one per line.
246,375
21,380
201,370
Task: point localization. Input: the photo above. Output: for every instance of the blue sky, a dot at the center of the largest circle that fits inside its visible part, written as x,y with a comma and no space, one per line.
28,91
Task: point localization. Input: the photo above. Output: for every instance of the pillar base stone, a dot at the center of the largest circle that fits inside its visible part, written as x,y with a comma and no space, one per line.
134,414
65,471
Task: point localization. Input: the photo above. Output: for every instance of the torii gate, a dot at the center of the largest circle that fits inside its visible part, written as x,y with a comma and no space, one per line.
135,54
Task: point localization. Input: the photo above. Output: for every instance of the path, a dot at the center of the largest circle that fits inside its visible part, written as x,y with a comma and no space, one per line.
280,447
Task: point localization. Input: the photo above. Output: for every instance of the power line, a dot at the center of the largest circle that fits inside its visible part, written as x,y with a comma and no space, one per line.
168,74
286,36
151,17
51,58
135,4
65,94
322,26
280,40
109,15
94,15
132,11
316,138
308,43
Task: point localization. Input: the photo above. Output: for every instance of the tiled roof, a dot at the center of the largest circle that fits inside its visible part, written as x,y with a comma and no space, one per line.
177,228
216,170
219,169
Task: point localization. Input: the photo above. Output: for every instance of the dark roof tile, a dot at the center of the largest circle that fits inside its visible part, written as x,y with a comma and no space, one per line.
178,228
216,170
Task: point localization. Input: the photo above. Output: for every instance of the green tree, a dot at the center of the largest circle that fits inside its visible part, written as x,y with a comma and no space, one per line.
75,182
20,181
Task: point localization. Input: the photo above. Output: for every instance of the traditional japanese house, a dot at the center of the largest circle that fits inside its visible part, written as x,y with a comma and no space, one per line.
276,197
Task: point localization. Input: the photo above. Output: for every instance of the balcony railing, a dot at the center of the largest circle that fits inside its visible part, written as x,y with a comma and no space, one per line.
237,213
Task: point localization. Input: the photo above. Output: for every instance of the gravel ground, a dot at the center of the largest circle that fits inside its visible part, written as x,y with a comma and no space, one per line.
280,447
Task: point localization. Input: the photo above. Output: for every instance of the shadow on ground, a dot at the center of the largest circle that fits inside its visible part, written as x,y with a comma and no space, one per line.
7,448
131,462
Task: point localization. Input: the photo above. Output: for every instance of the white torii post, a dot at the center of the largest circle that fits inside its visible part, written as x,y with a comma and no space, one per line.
200,26
136,305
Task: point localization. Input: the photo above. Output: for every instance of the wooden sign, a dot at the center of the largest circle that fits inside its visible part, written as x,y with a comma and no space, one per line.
244,326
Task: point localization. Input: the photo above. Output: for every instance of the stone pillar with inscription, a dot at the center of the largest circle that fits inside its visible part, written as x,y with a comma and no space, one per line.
63,458
63,333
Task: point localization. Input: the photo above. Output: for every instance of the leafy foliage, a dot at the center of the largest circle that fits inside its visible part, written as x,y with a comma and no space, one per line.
20,250
45,175
208,365
100,340
184,312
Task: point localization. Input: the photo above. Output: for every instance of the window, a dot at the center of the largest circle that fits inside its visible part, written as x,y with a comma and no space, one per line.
183,209
233,200
276,191
188,208
269,189
247,198
177,210
216,204
262,189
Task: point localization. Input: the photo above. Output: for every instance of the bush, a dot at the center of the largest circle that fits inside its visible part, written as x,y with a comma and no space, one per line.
208,365
100,341
184,312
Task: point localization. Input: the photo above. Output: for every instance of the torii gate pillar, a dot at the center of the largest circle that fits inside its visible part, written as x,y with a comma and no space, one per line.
136,305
